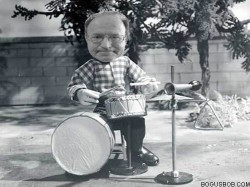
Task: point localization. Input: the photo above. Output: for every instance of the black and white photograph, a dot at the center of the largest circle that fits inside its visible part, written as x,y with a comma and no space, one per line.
117,93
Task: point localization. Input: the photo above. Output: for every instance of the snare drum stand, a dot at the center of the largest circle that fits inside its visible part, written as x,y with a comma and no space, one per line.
126,167
173,177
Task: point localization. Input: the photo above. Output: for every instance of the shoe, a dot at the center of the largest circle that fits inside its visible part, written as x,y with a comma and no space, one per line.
146,157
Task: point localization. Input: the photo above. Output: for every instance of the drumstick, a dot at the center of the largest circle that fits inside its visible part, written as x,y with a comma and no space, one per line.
90,102
142,83
106,92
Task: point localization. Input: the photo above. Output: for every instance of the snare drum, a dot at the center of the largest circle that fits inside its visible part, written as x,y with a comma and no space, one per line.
126,106
82,143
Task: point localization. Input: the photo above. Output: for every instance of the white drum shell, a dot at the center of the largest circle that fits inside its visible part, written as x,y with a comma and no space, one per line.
82,143
126,106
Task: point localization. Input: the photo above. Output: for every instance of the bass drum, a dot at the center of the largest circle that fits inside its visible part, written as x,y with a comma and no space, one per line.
82,143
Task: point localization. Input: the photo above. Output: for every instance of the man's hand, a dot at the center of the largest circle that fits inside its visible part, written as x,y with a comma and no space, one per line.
87,97
150,87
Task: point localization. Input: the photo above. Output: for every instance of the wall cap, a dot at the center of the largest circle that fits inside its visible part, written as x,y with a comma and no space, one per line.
45,39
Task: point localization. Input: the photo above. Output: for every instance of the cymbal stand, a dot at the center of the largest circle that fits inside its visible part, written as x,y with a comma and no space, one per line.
173,177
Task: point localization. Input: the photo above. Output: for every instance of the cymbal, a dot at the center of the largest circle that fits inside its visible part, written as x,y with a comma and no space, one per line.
169,97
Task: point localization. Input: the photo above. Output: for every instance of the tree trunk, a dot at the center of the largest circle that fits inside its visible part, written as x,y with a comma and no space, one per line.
203,49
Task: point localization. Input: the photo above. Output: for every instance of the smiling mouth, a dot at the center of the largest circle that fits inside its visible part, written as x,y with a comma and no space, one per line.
106,52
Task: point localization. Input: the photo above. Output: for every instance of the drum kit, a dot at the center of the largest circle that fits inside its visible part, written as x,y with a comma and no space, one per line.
83,143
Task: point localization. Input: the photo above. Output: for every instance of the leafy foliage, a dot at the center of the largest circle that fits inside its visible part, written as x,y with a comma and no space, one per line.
239,43
170,22
175,20
74,13
22,11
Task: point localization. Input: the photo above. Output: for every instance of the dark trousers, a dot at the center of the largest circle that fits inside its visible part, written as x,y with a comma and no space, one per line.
137,125
137,132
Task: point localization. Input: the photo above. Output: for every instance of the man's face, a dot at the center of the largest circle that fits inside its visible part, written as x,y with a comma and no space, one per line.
103,38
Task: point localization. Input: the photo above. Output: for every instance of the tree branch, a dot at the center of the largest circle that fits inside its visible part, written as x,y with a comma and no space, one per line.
245,22
29,14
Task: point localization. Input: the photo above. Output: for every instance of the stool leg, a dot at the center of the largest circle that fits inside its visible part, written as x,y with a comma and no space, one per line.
123,148
129,146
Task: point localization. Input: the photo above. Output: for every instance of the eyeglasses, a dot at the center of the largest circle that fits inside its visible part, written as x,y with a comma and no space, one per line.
114,38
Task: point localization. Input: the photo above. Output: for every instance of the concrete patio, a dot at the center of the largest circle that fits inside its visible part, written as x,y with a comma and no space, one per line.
209,155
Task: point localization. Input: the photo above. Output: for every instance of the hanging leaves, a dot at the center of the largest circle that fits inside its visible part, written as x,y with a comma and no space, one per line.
170,22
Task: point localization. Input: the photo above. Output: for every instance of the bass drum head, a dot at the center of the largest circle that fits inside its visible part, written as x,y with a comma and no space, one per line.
82,144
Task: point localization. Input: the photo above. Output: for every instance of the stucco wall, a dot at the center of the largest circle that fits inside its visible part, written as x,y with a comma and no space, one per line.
227,76
37,70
